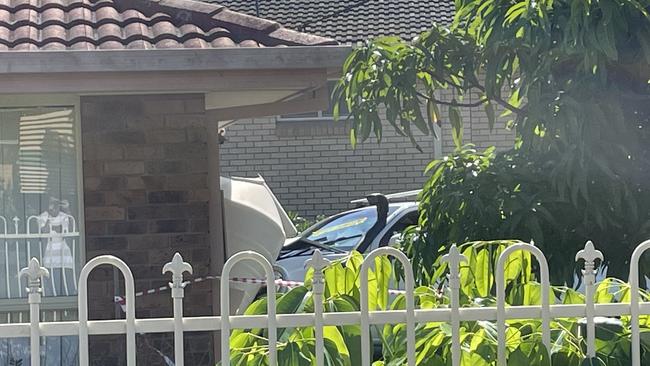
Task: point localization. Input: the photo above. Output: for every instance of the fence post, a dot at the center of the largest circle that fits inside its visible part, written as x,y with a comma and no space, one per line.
34,273
318,263
272,324
501,298
589,254
177,267
454,258
129,297
634,301
410,303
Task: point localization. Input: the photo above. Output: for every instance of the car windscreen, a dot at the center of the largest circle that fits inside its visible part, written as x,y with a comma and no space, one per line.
346,231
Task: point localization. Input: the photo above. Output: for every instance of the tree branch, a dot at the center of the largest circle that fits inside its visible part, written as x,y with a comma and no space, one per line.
454,103
502,102
480,87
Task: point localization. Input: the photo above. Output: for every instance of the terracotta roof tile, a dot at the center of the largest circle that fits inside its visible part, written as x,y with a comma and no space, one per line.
139,45
82,45
136,24
106,45
223,42
196,43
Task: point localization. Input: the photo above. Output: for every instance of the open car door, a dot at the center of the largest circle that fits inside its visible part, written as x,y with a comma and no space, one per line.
253,220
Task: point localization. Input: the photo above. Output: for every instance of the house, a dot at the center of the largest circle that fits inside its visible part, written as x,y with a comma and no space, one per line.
307,158
109,113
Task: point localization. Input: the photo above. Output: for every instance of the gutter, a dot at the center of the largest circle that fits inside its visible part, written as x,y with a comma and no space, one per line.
208,59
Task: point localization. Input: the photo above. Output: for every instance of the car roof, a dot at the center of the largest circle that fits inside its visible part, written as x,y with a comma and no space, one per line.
403,204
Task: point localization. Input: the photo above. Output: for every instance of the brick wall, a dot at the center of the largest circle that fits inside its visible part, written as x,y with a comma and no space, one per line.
146,196
313,170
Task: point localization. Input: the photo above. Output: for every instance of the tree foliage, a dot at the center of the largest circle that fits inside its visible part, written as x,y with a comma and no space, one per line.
574,78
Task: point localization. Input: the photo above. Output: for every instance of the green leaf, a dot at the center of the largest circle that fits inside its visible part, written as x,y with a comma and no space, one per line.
333,335
241,340
418,118
489,111
433,115
351,333
518,358
513,338
482,273
378,281
603,291
353,137
335,280
335,110
456,125
290,303
473,359
532,294
573,297
515,11
291,355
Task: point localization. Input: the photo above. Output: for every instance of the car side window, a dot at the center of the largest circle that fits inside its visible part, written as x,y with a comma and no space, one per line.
404,222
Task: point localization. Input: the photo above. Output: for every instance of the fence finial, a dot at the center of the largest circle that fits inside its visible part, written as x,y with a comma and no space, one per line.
454,258
318,263
589,254
177,267
34,273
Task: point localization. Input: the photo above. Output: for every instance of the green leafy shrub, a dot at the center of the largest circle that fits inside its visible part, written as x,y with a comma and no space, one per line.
433,340
472,195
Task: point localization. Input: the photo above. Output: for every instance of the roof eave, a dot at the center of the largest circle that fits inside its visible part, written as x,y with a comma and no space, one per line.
208,59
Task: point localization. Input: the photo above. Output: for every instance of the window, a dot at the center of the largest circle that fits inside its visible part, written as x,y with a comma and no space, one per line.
345,232
40,216
326,115
402,224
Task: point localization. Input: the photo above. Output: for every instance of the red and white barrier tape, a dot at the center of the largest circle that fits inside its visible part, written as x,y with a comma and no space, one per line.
280,283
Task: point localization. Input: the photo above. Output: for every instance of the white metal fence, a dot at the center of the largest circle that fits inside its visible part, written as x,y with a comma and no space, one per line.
410,316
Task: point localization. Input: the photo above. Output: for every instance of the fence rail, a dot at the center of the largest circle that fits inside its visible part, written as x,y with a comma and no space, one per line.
411,316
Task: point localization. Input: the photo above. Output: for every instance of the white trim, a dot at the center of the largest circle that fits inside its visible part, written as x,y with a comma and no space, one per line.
39,100
219,59
156,82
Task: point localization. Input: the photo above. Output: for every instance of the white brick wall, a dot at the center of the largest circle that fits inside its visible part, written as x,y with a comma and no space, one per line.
313,170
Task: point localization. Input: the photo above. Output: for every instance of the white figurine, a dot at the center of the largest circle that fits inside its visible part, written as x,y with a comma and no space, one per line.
57,253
